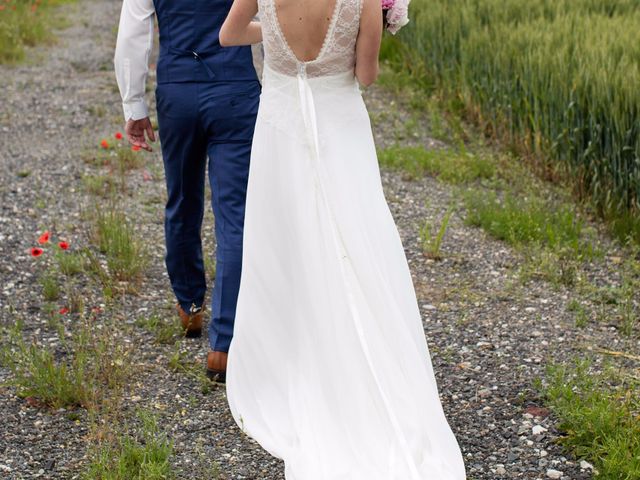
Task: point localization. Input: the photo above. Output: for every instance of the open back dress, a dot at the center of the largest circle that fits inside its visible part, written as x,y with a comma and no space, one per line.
329,369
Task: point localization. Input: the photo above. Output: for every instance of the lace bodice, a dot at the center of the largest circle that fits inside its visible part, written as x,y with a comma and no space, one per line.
338,52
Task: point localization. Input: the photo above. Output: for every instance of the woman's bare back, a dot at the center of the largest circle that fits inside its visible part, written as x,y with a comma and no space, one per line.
305,24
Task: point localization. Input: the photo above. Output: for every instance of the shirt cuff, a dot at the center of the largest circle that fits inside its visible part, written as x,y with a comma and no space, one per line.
135,111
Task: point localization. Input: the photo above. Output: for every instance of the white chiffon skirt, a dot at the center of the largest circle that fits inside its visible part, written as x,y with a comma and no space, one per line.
329,368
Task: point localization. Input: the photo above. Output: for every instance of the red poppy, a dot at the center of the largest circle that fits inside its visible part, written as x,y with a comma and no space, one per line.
104,143
44,238
36,252
64,311
135,148
1,7
34,8
63,245
118,136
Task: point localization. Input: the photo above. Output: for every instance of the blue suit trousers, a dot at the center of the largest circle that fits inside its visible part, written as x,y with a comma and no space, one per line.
197,121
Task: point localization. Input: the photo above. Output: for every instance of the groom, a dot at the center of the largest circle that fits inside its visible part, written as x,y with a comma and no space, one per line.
207,101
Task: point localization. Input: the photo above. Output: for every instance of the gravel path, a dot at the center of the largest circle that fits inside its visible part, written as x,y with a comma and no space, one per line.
489,335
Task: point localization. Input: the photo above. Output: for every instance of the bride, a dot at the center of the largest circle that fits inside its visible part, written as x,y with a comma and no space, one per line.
329,368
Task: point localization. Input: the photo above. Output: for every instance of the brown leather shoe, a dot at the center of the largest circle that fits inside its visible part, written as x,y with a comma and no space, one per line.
217,366
191,322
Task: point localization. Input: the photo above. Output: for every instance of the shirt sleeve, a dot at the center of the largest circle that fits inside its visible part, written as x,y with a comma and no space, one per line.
131,61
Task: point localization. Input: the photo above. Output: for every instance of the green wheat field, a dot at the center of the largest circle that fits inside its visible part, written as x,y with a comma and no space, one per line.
558,78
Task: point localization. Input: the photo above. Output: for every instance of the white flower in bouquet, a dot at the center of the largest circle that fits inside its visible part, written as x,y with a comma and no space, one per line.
396,14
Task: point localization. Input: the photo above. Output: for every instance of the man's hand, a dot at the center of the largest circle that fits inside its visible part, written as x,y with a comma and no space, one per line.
135,130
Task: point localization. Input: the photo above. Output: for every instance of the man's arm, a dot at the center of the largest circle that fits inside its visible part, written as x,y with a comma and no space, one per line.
135,39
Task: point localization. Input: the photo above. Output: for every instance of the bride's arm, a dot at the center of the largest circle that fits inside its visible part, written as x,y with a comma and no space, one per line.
368,43
238,28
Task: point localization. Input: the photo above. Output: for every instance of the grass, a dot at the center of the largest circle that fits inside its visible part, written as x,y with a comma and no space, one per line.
557,266
164,332
99,185
448,165
25,23
180,363
552,237
116,238
127,159
522,221
95,158
580,313
615,305
119,157
69,263
554,81
82,371
432,244
142,455
598,412
501,196
37,373
50,286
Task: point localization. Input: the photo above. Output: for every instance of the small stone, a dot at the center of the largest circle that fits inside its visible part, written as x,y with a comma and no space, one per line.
535,411
551,473
538,429
484,393
500,470
584,465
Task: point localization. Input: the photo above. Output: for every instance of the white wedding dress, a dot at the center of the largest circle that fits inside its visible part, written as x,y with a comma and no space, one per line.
329,368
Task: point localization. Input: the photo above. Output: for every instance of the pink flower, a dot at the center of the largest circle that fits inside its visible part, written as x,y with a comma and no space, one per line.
387,4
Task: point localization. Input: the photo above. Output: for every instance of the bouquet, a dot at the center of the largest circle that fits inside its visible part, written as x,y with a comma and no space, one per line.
395,14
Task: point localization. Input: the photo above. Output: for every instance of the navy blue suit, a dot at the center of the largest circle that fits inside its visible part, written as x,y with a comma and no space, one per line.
207,101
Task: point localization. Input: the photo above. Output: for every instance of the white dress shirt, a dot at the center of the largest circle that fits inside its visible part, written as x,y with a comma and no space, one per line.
135,40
